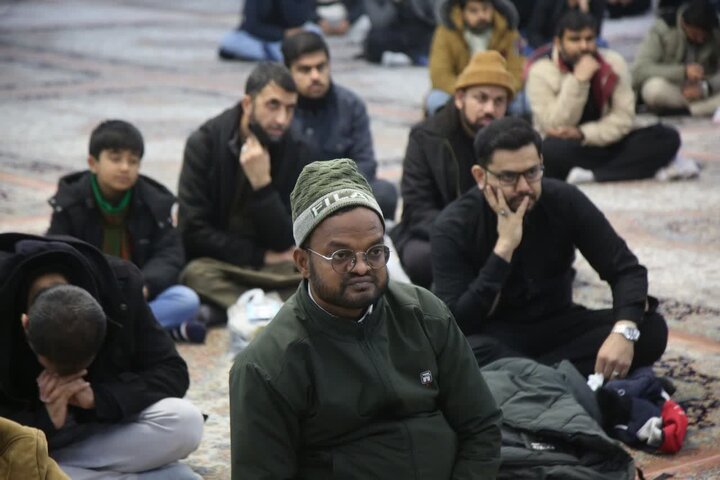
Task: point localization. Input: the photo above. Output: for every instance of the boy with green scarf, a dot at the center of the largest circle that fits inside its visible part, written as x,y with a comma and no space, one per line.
128,215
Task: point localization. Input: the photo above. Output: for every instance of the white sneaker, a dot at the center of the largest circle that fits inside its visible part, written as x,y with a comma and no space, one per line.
580,175
681,168
395,59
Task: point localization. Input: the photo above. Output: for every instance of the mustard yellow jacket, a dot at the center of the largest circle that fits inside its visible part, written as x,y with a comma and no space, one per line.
24,454
450,54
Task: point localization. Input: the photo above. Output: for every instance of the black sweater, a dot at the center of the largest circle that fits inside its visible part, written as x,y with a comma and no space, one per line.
479,286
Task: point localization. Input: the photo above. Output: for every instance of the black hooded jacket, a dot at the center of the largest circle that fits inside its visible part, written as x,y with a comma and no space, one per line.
156,247
137,365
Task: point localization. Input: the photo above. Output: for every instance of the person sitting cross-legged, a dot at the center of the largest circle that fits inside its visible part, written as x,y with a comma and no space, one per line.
83,359
264,24
582,101
234,194
677,66
502,257
123,213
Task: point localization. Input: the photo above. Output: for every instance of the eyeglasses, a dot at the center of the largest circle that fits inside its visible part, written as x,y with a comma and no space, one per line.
343,261
510,179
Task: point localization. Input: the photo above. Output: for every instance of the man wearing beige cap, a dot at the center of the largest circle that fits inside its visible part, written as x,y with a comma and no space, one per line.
357,376
439,155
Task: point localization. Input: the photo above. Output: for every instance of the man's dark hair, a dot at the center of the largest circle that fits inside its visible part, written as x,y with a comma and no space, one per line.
507,133
701,14
302,43
116,135
575,20
266,72
66,326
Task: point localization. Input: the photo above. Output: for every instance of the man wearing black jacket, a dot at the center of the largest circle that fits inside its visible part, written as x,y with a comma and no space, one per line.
436,168
83,359
502,258
234,192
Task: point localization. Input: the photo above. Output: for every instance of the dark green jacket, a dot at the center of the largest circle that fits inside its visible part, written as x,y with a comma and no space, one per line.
550,424
398,396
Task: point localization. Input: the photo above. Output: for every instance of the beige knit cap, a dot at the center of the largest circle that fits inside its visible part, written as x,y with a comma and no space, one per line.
486,68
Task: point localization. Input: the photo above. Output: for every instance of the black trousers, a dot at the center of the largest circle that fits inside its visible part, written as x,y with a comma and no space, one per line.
639,155
635,7
415,259
386,195
411,38
575,335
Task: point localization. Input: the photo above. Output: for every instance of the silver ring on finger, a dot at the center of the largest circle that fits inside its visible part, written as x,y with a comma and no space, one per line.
503,213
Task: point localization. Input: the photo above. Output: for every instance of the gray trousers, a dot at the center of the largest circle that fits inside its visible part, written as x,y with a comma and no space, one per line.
146,446
657,92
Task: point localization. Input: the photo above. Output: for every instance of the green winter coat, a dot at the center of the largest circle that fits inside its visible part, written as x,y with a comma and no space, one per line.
397,396
662,54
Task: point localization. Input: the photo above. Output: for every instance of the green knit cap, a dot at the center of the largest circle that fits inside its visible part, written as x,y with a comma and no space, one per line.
324,188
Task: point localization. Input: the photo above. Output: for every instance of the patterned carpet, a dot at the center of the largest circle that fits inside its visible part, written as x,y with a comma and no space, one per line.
693,373
68,65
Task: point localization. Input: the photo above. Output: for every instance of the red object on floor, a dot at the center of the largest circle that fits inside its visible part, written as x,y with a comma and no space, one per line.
675,424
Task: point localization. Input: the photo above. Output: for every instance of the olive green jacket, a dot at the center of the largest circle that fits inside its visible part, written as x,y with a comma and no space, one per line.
396,396
662,54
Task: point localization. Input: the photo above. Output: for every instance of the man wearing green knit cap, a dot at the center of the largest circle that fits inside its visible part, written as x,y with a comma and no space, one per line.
357,376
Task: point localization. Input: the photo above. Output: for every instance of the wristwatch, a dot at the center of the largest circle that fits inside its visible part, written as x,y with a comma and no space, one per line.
628,331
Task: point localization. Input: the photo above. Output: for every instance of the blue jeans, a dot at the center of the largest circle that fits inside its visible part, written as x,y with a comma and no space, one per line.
245,46
174,306
435,99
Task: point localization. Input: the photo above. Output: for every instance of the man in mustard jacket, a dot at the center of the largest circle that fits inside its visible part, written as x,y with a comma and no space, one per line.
24,454
468,27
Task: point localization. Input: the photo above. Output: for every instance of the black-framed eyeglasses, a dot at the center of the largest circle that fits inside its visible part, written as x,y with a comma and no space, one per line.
510,179
344,260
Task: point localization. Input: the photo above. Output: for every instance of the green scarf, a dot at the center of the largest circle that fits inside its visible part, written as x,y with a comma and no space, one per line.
116,239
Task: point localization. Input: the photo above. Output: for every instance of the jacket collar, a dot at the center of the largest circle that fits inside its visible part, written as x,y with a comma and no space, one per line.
342,328
75,189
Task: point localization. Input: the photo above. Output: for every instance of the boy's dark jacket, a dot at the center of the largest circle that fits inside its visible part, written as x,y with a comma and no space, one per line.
137,364
156,247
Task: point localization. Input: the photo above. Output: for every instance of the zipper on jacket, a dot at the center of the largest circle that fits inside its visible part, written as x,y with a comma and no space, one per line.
389,391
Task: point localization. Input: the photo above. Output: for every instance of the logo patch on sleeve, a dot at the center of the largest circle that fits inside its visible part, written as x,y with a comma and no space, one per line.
426,377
